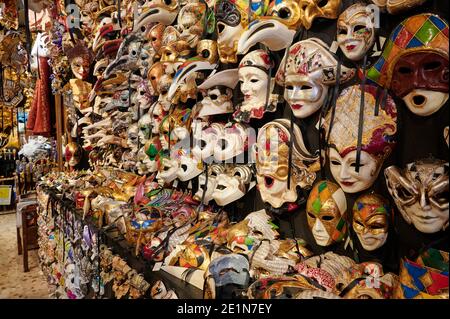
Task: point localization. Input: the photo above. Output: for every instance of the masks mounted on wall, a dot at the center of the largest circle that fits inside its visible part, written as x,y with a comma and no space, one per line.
307,74
356,31
213,171
378,138
310,10
233,183
272,165
414,65
420,192
326,208
371,214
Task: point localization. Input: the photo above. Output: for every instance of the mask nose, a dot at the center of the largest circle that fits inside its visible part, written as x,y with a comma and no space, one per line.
343,173
424,202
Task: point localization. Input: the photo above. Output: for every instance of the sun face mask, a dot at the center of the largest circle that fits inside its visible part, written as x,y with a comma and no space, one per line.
232,184
378,138
307,74
272,163
217,91
326,208
313,9
256,86
371,214
356,31
420,192
414,63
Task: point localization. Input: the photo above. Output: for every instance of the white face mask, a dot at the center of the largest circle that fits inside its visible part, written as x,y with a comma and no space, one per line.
343,171
275,192
209,188
305,94
189,168
371,242
205,139
168,170
145,127
231,142
254,85
356,33
215,102
231,185
320,233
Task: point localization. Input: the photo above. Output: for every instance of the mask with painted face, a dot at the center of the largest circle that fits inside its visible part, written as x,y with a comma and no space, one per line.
378,138
415,65
356,31
191,22
256,86
80,58
326,208
272,163
371,214
307,74
145,128
420,192
73,154
167,168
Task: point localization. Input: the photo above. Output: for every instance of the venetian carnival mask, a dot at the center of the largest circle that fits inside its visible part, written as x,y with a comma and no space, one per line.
356,31
256,86
232,19
232,140
133,136
313,9
161,11
207,50
272,165
205,138
371,214
397,6
414,65
378,138
167,169
325,209
208,184
73,154
80,60
217,92
145,128
307,74
232,184
191,22
420,192
189,166
173,48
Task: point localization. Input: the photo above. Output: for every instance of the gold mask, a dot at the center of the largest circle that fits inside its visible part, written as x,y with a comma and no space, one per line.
310,10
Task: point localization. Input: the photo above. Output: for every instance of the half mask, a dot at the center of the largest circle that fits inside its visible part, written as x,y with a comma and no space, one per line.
232,184
414,63
313,9
420,192
213,171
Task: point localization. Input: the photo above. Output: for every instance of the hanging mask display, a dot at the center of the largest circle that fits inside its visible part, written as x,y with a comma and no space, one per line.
217,91
232,184
272,165
371,214
378,138
210,183
356,31
420,192
326,208
307,74
256,85
414,63
191,22
313,9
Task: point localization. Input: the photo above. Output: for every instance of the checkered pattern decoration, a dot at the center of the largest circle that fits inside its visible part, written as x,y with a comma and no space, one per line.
420,32
426,278
320,194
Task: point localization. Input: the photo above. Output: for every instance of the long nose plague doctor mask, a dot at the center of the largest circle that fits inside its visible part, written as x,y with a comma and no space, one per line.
420,192
307,74
272,164
377,143
414,63
326,208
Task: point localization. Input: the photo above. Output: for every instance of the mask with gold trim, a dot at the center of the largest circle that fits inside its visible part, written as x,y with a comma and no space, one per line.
313,9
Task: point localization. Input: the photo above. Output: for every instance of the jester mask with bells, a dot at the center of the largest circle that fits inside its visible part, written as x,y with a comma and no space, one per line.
272,153
326,208
420,192
414,63
371,213
256,86
356,31
378,138
307,74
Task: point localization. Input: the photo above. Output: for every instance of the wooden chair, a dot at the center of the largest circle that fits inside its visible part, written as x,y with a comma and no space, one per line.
26,223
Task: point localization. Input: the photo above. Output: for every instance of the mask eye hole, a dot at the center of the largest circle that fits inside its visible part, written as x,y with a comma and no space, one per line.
306,87
168,2
431,66
254,80
311,215
342,31
359,28
404,70
377,226
213,97
205,54
335,163
354,165
284,13
289,87
322,3
404,193
442,198
359,223
327,217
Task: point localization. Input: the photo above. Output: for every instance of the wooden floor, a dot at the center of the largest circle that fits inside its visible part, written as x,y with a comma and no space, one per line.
14,283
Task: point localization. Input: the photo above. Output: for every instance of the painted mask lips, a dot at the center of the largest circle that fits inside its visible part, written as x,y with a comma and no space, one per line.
296,106
350,47
348,183
268,181
427,219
